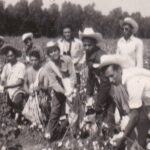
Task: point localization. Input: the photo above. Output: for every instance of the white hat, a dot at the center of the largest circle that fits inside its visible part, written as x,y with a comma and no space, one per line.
51,44
26,36
106,60
132,22
89,32
2,38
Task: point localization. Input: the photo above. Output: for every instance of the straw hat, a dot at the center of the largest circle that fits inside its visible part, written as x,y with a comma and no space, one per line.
26,36
106,60
89,33
131,22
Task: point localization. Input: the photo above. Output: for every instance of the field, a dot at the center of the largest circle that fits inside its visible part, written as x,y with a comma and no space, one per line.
109,45
27,139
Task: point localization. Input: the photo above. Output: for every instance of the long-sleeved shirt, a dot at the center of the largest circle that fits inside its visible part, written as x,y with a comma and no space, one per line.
137,82
66,69
74,49
131,48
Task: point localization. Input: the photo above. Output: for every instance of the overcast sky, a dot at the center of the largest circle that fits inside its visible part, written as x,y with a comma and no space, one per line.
105,6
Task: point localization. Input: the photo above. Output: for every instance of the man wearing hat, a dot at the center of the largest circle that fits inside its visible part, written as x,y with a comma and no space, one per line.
62,76
27,38
71,46
129,45
12,78
90,40
136,83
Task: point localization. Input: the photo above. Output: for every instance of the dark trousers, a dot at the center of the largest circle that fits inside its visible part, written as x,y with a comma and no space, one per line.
57,110
17,103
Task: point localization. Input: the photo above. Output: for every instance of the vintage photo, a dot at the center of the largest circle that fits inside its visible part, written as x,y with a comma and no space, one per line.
74,75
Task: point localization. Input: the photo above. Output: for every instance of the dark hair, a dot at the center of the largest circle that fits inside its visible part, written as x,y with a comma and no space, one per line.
128,25
114,66
35,53
50,48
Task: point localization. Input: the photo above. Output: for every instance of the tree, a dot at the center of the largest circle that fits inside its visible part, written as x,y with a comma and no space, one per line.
35,17
72,14
2,18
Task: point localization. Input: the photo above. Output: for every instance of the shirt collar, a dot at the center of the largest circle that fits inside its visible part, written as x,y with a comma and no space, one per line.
63,39
130,39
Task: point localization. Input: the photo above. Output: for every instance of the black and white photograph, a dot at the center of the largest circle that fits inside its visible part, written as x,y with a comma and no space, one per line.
74,74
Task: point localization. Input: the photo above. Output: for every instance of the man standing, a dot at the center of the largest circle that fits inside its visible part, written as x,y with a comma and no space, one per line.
12,79
71,46
27,38
129,45
95,79
59,67
136,81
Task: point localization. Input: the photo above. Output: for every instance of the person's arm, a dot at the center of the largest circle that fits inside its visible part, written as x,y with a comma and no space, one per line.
72,72
48,80
20,75
19,83
139,54
26,82
133,120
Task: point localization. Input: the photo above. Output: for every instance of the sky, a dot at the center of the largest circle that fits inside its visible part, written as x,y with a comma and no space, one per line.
105,6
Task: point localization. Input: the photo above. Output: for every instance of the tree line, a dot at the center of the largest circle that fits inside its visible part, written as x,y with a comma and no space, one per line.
24,17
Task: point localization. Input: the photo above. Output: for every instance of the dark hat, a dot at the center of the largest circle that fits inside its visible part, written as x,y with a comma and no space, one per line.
4,50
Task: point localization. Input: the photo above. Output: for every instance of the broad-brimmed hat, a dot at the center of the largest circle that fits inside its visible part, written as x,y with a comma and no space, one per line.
106,60
4,50
89,33
131,22
26,36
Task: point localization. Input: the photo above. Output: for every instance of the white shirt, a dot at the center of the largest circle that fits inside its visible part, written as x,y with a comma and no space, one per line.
131,48
77,52
137,82
11,74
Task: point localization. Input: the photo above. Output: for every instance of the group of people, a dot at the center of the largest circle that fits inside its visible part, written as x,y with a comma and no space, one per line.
41,84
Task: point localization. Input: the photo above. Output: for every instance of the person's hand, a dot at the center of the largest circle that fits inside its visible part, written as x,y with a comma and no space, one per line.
124,122
2,89
118,140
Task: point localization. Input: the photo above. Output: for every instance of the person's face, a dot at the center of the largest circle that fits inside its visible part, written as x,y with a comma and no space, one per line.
114,76
88,44
1,43
127,31
54,53
35,62
67,33
28,42
11,56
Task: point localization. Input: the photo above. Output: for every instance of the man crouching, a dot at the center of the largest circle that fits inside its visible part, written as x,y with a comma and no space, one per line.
12,79
61,72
